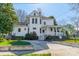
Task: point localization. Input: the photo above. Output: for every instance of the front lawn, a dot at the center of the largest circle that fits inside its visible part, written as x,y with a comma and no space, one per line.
72,41
13,42
31,54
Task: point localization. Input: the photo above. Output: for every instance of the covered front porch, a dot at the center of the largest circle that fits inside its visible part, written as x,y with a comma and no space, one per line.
52,30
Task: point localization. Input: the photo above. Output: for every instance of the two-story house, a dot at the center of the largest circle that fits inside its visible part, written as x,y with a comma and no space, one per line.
37,22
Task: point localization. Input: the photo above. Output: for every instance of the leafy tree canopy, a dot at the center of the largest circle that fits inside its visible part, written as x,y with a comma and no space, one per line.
7,17
70,28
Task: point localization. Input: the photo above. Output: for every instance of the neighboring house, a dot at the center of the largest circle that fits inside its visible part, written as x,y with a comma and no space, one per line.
36,22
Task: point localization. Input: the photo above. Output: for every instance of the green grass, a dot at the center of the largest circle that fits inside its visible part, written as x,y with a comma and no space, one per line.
13,42
72,41
30,54
46,54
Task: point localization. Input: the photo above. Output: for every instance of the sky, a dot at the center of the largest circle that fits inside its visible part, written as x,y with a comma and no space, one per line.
61,11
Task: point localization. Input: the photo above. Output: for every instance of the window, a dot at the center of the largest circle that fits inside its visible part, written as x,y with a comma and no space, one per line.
44,23
28,30
36,21
34,14
24,28
51,29
32,20
57,29
54,29
19,29
40,21
43,31
34,28
26,24
40,30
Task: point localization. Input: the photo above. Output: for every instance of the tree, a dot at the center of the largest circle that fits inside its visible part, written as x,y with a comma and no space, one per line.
7,17
21,15
75,19
55,23
69,28
5,23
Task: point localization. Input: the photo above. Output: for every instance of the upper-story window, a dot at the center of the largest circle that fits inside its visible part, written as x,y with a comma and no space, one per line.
40,21
36,21
26,24
19,29
34,14
40,30
32,20
28,30
44,23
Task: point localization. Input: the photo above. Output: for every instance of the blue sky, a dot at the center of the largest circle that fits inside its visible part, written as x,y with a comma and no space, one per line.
60,11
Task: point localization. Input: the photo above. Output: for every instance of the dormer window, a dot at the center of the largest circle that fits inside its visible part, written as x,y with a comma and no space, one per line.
44,23
34,14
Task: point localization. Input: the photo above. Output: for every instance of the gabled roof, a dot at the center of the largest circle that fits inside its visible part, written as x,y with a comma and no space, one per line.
46,18
38,15
34,12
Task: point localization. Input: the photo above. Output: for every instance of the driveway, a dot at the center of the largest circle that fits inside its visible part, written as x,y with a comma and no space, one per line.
49,47
54,48
62,50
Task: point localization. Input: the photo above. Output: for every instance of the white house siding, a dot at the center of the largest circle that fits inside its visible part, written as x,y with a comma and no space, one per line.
37,26
49,22
22,32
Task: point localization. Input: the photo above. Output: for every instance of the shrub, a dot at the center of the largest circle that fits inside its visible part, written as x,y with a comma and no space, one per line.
3,39
31,36
48,38
18,42
17,37
55,38
27,36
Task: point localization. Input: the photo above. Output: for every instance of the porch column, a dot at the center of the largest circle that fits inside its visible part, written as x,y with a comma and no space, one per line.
55,31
